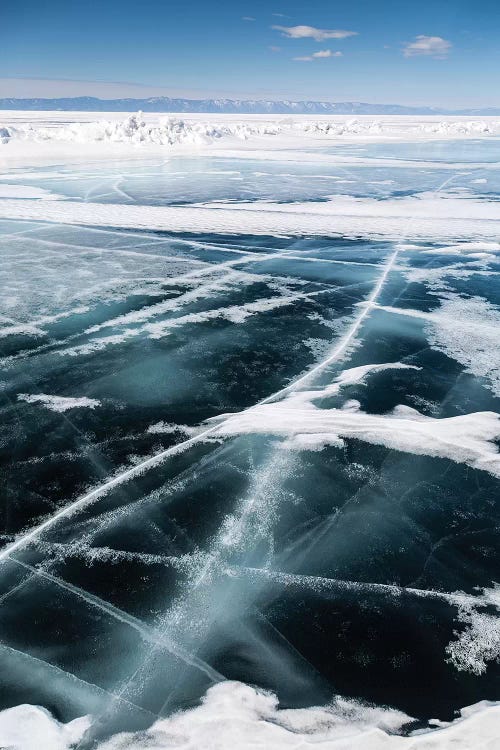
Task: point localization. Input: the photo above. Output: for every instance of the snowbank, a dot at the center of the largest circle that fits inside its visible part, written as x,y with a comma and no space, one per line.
170,130
28,727
233,715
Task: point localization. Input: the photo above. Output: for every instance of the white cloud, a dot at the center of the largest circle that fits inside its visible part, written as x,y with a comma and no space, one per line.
326,53
310,32
247,18
321,54
434,46
274,49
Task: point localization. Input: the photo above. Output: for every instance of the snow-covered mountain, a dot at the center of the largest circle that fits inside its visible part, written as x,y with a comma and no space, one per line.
238,106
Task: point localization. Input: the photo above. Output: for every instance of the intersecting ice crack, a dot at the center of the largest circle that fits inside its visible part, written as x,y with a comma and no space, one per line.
318,583
149,634
337,353
35,326
183,628
203,602
192,607
159,458
54,670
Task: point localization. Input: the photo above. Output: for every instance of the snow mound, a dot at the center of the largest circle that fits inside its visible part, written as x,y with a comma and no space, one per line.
171,130
134,130
234,716
28,727
5,134
480,127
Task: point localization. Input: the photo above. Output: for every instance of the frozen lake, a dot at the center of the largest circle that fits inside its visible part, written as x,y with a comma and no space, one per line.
249,406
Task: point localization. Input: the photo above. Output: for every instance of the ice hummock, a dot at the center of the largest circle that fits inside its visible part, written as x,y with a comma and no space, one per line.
172,130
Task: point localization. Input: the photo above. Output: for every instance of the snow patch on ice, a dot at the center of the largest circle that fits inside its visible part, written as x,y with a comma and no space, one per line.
313,442
21,330
464,439
236,314
482,250
466,330
27,192
169,428
479,642
58,403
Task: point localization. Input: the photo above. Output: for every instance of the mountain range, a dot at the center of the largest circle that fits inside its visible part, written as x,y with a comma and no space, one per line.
233,106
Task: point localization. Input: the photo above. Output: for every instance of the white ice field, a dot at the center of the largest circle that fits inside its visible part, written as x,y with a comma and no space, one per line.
250,399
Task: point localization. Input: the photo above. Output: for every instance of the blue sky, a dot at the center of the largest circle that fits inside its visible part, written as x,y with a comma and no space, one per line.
437,52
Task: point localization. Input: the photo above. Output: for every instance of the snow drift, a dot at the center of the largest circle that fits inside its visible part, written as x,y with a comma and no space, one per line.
236,715
171,130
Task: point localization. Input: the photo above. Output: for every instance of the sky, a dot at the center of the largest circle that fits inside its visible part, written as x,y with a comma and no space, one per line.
431,52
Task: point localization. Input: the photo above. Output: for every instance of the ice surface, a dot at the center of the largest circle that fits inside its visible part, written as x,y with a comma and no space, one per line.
249,405
465,329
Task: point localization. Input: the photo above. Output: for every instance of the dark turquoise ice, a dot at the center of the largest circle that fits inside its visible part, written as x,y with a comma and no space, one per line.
311,573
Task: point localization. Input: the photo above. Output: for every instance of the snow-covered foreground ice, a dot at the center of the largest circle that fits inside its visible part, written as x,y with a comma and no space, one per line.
234,715
250,397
